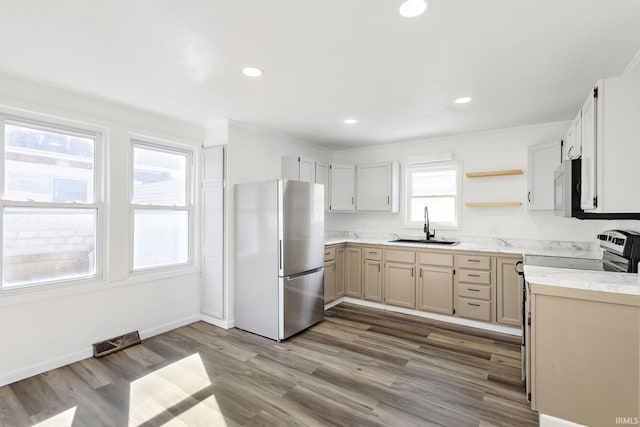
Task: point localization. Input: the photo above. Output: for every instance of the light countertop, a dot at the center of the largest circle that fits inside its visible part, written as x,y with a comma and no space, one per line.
560,249
601,281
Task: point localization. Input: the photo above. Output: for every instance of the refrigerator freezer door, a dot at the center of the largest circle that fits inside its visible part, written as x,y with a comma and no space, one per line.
303,302
256,258
302,226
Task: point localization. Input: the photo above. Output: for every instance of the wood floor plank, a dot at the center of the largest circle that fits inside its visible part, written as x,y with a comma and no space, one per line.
361,366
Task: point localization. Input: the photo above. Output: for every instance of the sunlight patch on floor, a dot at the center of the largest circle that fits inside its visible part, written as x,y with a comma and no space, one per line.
63,419
167,387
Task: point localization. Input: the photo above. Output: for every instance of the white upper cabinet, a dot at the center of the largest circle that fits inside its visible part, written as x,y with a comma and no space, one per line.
377,187
611,146
322,177
298,168
543,159
573,140
342,193
588,178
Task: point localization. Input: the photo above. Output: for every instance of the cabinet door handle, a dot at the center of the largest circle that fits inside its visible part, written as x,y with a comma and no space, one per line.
473,260
473,275
421,273
388,200
475,305
373,252
351,200
327,253
529,196
473,290
378,268
411,271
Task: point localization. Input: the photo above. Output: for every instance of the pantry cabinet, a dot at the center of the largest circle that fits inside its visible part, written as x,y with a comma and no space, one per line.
342,194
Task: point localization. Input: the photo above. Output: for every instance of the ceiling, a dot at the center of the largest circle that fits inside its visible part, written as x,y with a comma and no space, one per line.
523,62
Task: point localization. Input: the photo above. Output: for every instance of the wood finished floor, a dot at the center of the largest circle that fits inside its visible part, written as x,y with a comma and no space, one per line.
361,367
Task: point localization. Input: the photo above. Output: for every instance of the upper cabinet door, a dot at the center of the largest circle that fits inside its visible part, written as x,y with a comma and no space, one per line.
322,177
342,187
307,170
543,159
588,189
298,168
573,140
373,187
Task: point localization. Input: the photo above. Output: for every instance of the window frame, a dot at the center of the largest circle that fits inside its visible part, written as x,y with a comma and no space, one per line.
408,192
190,200
61,126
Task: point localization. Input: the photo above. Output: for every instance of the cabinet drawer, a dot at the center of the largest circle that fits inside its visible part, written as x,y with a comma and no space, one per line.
471,276
400,256
329,254
474,291
441,260
374,254
474,309
477,262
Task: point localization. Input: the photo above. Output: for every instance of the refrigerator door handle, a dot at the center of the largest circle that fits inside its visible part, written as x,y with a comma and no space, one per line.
280,254
304,273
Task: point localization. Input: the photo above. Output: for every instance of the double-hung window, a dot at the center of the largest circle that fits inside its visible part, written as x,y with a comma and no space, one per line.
161,205
51,203
437,187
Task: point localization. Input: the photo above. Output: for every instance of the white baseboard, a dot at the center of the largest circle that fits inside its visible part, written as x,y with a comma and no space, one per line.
48,365
79,355
224,324
148,333
549,421
333,303
433,316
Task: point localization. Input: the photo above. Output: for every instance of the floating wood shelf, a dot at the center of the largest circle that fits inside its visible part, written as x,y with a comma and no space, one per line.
494,173
491,204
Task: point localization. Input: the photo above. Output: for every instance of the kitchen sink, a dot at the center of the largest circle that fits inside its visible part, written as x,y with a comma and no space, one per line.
428,242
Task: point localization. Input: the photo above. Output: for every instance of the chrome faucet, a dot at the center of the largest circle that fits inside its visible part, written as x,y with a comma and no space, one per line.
426,224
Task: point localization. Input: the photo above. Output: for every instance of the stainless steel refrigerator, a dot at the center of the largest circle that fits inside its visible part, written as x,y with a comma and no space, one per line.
279,257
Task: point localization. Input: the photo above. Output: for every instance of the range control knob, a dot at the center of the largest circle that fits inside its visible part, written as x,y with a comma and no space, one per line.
618,241
602,237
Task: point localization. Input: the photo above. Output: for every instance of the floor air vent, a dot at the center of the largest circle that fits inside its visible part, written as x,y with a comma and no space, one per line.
116,344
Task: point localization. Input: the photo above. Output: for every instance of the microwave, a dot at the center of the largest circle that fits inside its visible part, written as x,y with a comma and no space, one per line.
566,194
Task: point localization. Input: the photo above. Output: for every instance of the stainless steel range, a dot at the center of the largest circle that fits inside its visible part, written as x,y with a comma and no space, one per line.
621,250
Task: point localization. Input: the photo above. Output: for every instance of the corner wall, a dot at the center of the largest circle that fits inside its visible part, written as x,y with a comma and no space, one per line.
43,329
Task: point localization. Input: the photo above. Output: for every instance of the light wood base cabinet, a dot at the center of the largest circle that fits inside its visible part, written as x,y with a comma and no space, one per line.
372,280
400,284
435,289
340,264
585,363
329,281
509,292
353,272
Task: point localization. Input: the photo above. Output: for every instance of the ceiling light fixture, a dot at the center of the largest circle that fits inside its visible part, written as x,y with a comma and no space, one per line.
463,100
252,72
350,121
413,8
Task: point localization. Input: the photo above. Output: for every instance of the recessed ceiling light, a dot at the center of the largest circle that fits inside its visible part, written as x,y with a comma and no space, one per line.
252,72
413,8
463,100
350,121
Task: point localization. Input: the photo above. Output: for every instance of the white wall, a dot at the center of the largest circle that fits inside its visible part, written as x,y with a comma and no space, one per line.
46,328
253,154
486,151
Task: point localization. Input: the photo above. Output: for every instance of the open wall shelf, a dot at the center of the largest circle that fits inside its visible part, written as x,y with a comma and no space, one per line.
494,173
